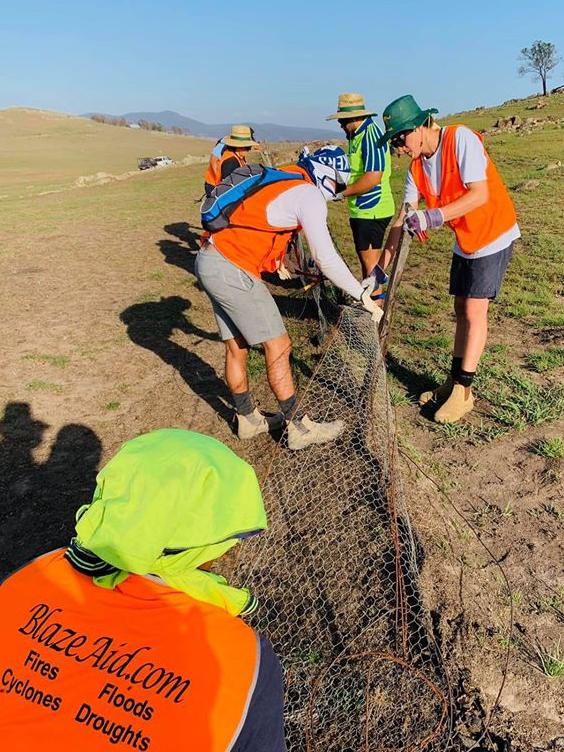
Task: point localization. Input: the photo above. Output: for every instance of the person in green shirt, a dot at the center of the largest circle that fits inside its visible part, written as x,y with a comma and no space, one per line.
371,204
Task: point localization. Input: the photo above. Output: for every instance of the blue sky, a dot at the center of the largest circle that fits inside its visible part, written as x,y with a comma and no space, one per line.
279,62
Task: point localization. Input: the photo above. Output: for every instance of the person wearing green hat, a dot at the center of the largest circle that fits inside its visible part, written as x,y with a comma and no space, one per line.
369,195
126,635
453,174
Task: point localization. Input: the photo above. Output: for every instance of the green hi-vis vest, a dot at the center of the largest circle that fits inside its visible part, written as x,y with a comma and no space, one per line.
378,202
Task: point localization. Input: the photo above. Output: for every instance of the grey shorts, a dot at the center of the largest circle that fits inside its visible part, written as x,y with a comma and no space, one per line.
481,277
241,303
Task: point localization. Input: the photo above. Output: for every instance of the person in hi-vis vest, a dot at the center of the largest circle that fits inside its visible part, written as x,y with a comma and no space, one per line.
125,638
261,230
368,193
229,153
454,175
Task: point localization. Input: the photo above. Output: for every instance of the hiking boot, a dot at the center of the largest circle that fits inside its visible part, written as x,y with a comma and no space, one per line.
251,425
302,433
460,402
439,395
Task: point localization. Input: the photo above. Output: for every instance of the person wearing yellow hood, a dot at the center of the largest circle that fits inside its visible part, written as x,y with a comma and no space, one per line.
125,636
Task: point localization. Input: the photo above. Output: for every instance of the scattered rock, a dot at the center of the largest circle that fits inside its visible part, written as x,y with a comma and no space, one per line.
538,105
515,124
528,185
553,166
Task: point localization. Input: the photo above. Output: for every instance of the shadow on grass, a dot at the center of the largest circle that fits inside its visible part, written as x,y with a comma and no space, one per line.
415,382
38,501
181,252
151,325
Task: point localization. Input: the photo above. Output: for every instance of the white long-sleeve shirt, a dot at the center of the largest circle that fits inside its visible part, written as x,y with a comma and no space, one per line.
304,205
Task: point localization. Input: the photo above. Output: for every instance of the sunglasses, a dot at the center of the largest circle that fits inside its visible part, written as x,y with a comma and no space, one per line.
398,140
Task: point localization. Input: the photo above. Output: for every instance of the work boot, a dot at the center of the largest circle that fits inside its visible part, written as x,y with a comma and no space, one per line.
303,432
251,425
439,395
460,402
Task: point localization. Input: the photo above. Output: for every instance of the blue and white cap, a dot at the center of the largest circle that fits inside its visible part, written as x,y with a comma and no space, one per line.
328,167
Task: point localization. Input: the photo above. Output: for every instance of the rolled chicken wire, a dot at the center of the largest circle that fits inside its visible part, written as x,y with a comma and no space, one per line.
337,576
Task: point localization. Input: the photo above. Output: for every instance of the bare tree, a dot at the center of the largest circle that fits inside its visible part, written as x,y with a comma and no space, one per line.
539,59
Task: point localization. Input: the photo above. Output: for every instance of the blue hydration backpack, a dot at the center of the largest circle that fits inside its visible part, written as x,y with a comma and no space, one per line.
234,189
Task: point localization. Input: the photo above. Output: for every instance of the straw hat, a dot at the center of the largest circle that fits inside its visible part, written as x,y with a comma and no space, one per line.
350,106
241,135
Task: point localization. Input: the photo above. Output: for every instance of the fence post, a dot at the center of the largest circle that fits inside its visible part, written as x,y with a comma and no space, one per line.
395,278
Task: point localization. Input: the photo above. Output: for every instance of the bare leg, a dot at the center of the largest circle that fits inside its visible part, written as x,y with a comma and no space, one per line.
277,355
236,355
471,330
460,332
368,260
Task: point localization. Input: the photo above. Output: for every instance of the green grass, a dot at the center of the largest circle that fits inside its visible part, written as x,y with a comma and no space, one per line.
481,433
112,406
398,397
44,386
518,402
256,365
60,361
549,660
549,448
546,360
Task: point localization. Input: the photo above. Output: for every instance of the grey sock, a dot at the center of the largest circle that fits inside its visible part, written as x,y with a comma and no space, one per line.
244,403
290,408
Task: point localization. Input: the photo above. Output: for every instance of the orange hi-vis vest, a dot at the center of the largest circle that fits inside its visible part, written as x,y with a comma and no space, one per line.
481,226
213,174
140,667
250,242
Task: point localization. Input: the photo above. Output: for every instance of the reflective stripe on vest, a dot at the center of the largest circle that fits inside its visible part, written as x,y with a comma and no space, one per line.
217,158
250,242
142,666
481,226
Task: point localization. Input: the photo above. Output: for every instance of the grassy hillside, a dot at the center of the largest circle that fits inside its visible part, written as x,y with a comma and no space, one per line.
42,150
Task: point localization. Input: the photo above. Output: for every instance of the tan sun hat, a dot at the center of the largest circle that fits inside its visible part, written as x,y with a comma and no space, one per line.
350,106
241,135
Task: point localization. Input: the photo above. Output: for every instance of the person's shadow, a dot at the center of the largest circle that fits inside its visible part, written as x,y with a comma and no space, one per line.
150,325
182,250
38,501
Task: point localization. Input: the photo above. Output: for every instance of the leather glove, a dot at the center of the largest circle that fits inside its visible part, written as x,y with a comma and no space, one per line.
371,306
419,220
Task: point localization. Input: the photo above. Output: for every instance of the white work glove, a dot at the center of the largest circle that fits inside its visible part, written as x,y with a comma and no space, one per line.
283,272
339,196
371,306
288,268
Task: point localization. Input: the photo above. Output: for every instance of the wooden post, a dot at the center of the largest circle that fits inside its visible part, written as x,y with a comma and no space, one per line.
395,278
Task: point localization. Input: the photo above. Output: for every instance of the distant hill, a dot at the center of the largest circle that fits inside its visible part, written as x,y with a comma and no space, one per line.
263,131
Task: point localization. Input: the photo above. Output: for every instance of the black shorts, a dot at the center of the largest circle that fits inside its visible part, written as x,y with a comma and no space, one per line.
481,277
368,232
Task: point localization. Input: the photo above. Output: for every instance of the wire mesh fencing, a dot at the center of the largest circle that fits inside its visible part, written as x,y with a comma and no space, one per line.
337,573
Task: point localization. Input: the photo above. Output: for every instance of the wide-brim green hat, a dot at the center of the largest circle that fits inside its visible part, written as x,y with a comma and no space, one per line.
403,114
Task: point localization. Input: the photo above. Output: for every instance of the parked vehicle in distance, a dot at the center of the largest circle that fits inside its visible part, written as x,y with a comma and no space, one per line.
162,161
147,163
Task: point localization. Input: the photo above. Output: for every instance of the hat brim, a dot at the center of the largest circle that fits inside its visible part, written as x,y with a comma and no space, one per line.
408,125
350,115
238,142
